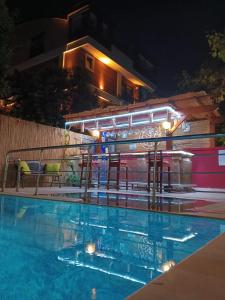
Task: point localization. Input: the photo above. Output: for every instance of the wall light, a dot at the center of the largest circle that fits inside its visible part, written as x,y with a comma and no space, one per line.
166,125
105,60
95,133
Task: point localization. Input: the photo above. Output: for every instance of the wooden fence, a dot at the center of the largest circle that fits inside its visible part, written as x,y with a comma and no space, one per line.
17,134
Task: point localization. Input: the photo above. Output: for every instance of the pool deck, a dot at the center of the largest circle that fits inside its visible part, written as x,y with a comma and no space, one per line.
200,276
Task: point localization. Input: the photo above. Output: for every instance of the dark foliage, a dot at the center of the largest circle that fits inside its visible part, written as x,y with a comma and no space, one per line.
46,95
6,30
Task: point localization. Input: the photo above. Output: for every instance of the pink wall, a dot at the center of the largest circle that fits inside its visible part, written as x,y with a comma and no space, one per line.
206,160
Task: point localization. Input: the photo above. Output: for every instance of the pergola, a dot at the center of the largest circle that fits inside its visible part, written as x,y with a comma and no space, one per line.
170,112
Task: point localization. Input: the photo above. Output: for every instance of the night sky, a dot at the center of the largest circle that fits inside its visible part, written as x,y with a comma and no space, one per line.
171,34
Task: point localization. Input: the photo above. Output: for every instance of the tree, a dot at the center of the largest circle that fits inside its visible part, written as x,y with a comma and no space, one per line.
217,45
211,76
49,93
6,30
82,96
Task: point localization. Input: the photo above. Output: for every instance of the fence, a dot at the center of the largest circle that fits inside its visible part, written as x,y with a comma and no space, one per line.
156,174
16,133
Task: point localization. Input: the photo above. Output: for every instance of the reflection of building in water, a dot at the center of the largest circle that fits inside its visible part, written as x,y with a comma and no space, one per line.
135,246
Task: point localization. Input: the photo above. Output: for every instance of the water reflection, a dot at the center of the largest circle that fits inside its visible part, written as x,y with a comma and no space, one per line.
127,245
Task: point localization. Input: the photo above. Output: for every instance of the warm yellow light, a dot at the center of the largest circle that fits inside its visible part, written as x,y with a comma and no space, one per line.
101,86
96,133
93,294
166,125
105,60
168,265
90,248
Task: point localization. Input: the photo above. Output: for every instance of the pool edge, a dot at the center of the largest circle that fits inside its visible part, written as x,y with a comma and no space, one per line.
199,276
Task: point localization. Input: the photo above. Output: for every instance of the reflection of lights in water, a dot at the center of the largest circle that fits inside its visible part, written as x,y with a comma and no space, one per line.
181,240
90,248
168,265
75,238
159,254
80,264
93,294
145,248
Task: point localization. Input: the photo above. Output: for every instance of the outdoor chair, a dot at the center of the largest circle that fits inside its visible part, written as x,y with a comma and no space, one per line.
35,168
84,165
115,161
160,164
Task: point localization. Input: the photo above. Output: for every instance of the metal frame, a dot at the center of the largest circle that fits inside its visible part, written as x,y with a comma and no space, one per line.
90,145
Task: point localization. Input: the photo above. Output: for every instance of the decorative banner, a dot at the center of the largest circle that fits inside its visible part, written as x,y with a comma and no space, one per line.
150,132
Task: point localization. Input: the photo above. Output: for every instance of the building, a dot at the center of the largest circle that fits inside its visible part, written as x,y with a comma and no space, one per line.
192,160
81,39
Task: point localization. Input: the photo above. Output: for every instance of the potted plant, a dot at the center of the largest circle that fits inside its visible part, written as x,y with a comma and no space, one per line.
73,178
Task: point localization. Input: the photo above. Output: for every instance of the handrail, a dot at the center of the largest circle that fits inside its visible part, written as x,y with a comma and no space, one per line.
121,142
131,141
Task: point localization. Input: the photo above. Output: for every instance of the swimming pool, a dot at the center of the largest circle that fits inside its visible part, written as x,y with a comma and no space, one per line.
56,250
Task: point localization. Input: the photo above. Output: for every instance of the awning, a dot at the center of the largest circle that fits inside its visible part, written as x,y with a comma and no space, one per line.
128,119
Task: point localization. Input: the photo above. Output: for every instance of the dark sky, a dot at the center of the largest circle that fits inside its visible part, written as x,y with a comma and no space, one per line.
170,33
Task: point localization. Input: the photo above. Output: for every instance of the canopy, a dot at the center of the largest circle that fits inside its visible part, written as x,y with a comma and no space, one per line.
128,119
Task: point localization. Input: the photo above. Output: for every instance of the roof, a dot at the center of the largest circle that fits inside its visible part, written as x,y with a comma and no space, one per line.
114,58
194,105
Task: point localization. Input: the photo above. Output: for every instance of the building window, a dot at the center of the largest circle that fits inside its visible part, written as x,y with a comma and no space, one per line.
37,45
89,62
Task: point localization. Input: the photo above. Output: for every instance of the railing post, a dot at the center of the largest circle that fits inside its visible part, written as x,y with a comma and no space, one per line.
154,175
38,176
87,177
5,172
18,176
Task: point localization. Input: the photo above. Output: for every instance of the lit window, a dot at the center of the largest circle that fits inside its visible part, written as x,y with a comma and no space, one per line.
89,62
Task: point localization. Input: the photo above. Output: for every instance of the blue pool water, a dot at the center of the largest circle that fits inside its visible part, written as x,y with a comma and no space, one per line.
56,250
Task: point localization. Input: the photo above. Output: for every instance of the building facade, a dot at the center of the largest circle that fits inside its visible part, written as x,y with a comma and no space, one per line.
82,40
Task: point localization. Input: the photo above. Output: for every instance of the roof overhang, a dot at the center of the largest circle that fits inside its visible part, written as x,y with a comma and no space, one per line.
189,106
113,59
128,119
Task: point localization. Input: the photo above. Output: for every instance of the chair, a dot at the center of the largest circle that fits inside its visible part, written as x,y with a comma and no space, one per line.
35,168
25,168
158,174
116,162
53,169
159,170
92,164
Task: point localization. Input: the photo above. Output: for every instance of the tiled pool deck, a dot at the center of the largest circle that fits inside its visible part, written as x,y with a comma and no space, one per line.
200,276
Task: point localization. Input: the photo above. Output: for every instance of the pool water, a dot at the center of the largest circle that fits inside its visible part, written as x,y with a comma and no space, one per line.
56,250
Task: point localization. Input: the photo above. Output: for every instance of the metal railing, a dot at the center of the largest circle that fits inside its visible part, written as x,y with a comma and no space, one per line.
91,146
